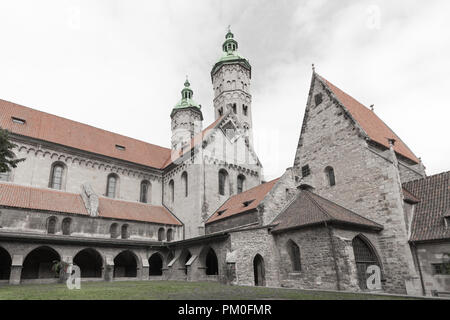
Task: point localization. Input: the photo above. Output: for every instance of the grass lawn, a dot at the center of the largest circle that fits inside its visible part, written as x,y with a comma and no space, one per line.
166,290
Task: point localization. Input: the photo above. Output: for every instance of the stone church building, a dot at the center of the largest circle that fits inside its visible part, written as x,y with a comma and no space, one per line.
122,209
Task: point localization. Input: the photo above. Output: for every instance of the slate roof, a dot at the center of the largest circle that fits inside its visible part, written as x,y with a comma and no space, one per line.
25,197
309,209
375,128
51,128
235,204
434,194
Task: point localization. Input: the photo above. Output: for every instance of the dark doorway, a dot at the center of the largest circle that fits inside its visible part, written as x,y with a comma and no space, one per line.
212,265
90,263
364,257
155,265
38,264
186,259
125,265
5,264
258,270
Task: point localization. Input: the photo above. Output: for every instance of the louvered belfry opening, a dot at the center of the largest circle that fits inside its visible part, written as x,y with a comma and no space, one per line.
364,257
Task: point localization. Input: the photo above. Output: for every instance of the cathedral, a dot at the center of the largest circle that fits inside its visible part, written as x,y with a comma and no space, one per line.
124,209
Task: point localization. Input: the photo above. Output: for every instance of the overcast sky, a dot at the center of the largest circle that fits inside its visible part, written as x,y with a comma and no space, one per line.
120,65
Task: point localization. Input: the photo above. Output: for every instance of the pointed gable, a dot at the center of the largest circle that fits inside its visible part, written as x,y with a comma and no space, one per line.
373,126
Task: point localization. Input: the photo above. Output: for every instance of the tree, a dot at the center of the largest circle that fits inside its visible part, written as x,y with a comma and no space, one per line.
7,157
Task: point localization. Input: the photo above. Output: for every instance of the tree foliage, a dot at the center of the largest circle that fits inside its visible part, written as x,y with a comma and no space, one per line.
7,157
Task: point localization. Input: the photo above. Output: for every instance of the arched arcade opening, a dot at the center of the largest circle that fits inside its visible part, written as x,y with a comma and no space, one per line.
90,263
155,263
39,263
125,265
5,264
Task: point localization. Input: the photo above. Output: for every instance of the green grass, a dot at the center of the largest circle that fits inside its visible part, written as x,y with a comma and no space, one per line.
167,290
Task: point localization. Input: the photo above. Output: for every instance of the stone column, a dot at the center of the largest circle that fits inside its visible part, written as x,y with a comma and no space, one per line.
109,269
144,270
16,270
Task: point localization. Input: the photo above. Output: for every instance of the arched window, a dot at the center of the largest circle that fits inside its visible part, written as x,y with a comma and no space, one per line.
111,186
294,253
223,181
244,110
114,230
329,171
364,257
145,191
184,180
161,234
240,183
172,191
125,231
56,176
169,234
51,225
220,112
66,224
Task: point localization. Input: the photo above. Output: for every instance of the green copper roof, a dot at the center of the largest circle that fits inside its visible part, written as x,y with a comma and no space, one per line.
186,98
230,53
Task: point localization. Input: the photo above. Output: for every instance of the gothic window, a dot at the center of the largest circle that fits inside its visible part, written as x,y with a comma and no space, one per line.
364,257
66,225
330,176
145,191
184,180
169,234
306,171
125,232
111,185
220,112
244,110
223,179
172,191
51,225
240,183
113,230
234,108
56,176
318,99
294,253
161,234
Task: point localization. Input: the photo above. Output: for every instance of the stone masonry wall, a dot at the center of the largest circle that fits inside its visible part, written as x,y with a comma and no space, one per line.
245,245
367,182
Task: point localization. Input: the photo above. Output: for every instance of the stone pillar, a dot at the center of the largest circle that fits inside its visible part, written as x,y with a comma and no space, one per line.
145,270
109,269
16,270
190,269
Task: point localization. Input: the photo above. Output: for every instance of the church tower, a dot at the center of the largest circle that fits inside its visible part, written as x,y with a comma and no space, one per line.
231,82
186,119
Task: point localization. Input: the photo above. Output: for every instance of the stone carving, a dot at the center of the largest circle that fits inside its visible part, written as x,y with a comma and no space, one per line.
90,199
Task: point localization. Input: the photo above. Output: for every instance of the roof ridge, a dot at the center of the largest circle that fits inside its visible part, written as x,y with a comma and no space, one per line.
427,177
351,211
319,206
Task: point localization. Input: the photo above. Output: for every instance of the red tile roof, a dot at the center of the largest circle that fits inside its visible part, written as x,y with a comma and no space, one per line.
309,209
25,197
48,127
235,204
375,128
434,194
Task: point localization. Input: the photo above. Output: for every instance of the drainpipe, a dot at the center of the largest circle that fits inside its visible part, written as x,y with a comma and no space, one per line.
416,256
333,249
